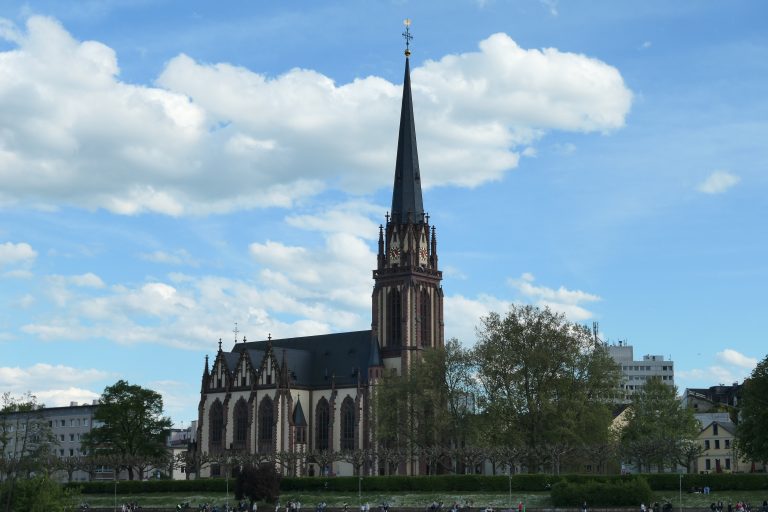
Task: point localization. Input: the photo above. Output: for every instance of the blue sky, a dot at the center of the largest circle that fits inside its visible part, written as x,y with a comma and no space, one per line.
170,168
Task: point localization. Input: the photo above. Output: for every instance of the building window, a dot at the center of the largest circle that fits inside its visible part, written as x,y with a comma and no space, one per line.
714,429
61,437
71,452
71,437
348,424
266,424
241,424
215,470
727,444
301,435
717,444
395,318
424,318
708,464
706,444
85,422
63,424
323,424
727,463
217,426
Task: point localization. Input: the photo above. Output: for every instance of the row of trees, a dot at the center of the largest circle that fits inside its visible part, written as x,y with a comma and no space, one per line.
544,389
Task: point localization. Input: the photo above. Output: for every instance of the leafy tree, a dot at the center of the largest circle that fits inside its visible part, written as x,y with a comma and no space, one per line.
258,483
546,383
751,432
130,426
26,442
39,494
434,405
658,429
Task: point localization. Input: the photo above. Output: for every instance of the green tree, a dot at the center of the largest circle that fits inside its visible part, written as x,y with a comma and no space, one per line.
433,405
26,442
659,430
546,383
129,425
752,430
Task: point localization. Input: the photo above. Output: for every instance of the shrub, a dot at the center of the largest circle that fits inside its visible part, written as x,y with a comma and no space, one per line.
610,493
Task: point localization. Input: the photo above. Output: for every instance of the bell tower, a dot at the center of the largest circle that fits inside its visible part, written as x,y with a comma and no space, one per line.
407,311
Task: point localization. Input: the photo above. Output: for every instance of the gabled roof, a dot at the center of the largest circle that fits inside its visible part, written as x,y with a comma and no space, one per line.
406,194
314,361
231,360
298,415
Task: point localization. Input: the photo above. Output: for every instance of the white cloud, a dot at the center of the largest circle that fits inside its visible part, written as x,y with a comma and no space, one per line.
178,257
462,315
732,357
217,137
718,182
53,385
12,253
87,280
563,300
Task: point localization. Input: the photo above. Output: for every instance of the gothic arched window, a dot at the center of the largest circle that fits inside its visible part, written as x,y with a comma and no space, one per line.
348,424
395,318
323,425
241,424
266,424
216,417
424,318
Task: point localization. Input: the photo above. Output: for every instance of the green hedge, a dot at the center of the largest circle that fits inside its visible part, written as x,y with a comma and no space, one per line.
614,493
716,481
440,483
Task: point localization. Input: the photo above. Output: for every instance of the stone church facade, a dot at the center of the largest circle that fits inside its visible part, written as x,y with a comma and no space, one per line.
300,397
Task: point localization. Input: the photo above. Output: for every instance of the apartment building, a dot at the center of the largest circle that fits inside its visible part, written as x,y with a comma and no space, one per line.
635,373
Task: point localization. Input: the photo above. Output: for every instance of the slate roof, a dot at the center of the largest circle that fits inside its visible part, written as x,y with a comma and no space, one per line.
313,360
406,194
298,415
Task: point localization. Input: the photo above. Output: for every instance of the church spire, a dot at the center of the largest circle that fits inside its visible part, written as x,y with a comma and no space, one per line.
406,195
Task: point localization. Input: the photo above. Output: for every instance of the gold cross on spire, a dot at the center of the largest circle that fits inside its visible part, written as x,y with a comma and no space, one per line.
407,36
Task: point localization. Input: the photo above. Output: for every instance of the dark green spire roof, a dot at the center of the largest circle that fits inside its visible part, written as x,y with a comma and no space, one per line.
406,195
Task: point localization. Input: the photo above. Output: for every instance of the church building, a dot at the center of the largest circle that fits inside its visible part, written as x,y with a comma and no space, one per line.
301,397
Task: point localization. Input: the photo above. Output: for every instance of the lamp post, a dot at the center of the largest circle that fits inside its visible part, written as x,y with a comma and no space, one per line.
360,490
680,492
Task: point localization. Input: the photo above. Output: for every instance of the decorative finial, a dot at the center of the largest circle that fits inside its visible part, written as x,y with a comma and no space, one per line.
407,36
269,336
235,331
386,216
219,344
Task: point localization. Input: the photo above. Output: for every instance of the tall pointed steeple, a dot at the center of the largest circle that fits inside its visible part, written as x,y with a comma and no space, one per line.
407,295
406,194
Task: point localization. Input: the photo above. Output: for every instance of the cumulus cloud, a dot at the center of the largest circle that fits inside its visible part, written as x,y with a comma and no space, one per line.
53,385
729,366
563,300
294,291
718,182
463,314
218,137
732,357
12,253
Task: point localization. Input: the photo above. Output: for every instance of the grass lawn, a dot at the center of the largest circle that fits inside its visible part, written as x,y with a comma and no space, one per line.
411,500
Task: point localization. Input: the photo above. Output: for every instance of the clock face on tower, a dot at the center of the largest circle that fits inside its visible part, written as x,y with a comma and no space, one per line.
394,253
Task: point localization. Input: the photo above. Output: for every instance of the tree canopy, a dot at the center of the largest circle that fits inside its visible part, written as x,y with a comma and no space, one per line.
26,441
546,383
659,431
129,425
752,431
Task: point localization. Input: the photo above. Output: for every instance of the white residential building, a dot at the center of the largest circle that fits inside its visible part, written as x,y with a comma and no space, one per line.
635,373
